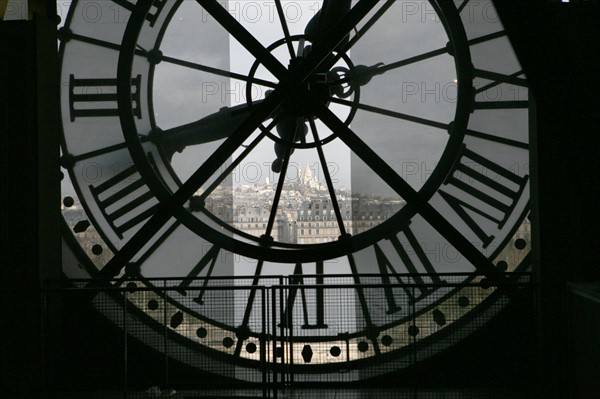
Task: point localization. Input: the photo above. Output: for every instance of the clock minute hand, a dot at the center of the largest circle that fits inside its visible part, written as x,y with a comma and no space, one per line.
360,74
291,127
213,127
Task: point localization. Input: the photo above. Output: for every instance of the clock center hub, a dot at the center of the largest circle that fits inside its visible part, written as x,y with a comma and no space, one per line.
304,95
318,85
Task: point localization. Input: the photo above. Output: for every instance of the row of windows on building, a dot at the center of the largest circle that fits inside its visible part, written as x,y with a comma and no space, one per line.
347,217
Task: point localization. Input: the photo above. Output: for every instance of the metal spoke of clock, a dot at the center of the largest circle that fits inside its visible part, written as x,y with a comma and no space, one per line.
217,71
369,24
486,38
245,38
407,61
397,183
393,114
285,28
364,152
278,191
249,148
497,139
330,188
94,41
65,35
102,151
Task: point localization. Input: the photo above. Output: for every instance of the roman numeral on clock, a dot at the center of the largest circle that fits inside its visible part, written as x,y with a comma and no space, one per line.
209,259
97,97
157,6
476,196
389,273
124,200
317,306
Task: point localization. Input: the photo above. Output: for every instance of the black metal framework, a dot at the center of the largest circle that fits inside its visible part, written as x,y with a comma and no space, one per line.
293,80
171,205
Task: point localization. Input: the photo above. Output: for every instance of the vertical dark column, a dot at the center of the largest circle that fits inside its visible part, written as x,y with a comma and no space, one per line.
30,242
558,45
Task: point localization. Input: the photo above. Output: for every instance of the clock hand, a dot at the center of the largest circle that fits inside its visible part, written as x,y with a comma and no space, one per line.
221,124
213,127
323,21
290,128
331,12
359,75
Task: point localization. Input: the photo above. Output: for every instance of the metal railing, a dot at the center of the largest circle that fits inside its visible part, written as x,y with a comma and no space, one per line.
272,333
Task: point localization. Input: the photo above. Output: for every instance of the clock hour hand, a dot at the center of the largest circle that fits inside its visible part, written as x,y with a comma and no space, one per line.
326,18
213,127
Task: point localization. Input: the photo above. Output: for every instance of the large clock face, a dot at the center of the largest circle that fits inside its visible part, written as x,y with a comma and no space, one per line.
380,142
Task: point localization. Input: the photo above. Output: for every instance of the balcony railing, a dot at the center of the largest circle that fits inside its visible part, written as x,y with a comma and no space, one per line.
271,333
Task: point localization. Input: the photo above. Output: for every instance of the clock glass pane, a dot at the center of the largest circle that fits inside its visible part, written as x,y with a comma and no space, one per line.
375,142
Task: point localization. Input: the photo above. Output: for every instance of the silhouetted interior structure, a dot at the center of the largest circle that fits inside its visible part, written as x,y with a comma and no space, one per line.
558,45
